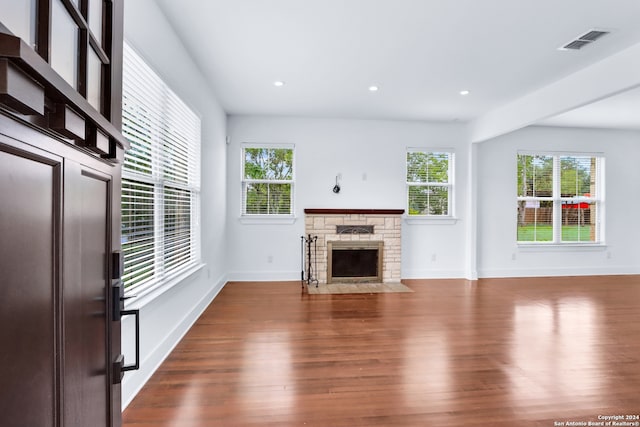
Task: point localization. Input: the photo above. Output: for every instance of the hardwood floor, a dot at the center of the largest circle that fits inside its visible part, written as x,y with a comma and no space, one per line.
500,352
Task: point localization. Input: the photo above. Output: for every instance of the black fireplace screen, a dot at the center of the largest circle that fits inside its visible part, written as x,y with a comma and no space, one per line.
354,262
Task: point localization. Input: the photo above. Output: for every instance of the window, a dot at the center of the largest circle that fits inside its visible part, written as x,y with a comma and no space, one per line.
430,182
73,37
559,198
267,180
161,179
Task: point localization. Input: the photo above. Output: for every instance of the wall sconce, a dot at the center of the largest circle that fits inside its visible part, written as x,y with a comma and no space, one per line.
336,188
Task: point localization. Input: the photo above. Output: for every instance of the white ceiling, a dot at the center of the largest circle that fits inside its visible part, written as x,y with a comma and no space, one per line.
421,53
620,111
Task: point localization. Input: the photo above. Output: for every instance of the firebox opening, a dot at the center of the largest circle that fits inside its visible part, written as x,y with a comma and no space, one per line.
354,261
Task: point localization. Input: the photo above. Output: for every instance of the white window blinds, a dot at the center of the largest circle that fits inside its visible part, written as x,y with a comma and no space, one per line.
429,182
161,178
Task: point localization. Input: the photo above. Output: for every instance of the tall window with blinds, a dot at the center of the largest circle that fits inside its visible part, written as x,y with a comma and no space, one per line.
560,198
429,182
161,179
267,180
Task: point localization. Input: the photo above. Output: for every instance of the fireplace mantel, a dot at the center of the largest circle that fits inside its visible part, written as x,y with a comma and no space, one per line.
354,211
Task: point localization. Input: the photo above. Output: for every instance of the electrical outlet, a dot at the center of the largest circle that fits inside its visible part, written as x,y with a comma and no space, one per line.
270,259
433,257
513,256
608,254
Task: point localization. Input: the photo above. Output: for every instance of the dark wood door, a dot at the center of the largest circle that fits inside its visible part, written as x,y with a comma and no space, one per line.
60,167
57,335
85,297
30,202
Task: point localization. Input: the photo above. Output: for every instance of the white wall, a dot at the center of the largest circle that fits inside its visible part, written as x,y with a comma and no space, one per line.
165,319
498,254
370,155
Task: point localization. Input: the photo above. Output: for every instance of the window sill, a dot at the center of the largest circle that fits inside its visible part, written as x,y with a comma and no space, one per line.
562,247
431,220
146,295
267,219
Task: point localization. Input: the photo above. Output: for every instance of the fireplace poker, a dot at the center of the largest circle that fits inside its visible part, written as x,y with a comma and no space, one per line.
309,241
302,261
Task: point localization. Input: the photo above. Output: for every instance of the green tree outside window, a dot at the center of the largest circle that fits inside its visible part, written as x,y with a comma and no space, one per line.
267,181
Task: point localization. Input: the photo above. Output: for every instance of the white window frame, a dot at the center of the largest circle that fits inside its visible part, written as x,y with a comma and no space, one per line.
244,182
450,184
558,200
172,121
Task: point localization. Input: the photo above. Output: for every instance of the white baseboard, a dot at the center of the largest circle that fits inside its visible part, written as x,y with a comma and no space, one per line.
434,274
567,271
262,276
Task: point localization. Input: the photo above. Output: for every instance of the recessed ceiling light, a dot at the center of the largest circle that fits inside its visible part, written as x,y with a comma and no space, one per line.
278,83
373,88
464,92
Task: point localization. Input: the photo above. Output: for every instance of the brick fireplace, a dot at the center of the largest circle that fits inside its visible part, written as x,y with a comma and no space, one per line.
355,229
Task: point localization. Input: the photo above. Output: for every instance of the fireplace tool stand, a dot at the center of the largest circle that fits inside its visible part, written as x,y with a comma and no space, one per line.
311,242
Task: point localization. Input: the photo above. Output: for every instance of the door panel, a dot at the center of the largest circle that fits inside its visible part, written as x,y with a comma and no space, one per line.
29,226
87,314
57,337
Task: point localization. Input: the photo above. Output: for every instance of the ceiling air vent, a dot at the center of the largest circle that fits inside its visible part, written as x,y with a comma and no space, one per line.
576,44
584,39
593,35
